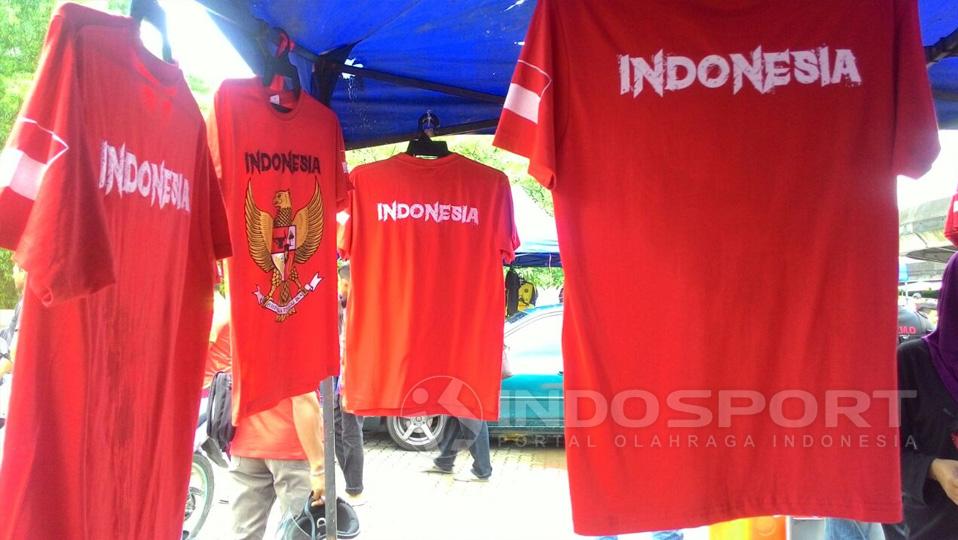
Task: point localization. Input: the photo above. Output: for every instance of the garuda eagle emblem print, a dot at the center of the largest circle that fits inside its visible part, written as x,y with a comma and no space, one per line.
278,243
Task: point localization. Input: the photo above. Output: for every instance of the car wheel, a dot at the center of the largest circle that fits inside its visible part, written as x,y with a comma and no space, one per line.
417,432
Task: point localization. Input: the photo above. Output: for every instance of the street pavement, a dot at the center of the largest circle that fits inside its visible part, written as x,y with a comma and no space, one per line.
527,497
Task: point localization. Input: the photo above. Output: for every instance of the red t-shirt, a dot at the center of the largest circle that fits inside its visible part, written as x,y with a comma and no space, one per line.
110,202
739,158
951,221
283,177
219,357
270,434
426,239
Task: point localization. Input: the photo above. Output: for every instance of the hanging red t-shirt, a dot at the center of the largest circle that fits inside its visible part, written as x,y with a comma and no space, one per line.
283,176
426,239
724,183
111,204
951,221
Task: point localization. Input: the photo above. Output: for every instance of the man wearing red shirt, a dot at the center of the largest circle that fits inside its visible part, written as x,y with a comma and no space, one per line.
269,460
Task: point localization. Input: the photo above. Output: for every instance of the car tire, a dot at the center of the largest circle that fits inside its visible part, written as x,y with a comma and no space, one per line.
416,433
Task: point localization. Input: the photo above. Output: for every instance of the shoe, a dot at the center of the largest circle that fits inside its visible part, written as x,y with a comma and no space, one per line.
433,468
469,476
355,500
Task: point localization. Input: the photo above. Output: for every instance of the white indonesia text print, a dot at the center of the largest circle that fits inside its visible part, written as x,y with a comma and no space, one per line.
763,70
121,173
436,212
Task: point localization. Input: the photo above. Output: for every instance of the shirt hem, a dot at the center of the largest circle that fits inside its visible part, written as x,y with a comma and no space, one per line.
668,521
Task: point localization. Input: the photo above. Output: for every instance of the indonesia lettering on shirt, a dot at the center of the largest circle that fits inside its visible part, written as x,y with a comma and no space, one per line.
260,162
764,71
123,174
436,212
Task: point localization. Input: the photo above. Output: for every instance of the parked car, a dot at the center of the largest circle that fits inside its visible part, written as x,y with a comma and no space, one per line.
531,401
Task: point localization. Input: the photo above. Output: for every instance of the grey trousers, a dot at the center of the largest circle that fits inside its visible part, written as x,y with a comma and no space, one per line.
349,448
257,484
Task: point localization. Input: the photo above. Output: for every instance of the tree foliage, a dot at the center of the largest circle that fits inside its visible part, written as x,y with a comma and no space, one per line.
24,24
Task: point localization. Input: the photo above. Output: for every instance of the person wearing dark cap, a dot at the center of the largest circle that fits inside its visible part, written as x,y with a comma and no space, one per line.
928,380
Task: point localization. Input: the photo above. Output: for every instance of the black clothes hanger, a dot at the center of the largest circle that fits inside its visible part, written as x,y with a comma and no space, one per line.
423,145
151,12
278,64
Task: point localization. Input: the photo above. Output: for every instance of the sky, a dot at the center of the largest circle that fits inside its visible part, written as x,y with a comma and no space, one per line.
202,50
941,180
198,44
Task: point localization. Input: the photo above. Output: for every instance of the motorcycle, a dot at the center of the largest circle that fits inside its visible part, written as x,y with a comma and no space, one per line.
199,496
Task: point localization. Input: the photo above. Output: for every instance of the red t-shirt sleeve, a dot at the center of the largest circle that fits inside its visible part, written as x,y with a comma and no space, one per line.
343,186
530,121
916,129
219,224
344,239
213,218
506,234
50,209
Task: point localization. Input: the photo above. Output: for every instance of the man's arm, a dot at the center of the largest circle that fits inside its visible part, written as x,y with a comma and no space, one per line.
308,419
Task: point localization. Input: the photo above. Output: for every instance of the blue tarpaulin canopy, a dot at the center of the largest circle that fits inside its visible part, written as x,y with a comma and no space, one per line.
382,64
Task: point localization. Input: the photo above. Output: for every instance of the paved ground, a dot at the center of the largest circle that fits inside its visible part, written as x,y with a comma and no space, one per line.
527,498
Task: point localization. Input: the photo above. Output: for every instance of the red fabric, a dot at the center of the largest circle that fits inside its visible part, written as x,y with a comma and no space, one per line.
116,218
269,434
294,166
951,221
761,203
426,240
220,356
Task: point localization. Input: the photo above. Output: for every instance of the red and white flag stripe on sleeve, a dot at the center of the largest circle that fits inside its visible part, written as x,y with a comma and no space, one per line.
30,152
529,84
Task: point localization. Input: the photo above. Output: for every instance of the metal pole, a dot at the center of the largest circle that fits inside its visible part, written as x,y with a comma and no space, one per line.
328,392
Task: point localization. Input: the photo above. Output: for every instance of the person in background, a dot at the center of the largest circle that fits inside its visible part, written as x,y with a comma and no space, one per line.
219,356
459,434
8,340
471,434
349,428
928,380
9,334
275,454
847,529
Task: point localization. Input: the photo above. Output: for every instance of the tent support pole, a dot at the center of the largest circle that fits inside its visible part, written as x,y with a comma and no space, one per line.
469,127
327,390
